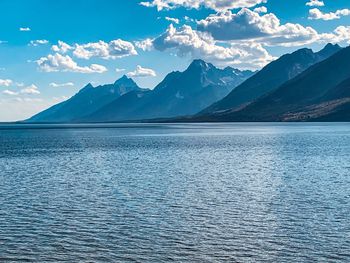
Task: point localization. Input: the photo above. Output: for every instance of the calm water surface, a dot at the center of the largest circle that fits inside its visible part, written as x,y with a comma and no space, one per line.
175,193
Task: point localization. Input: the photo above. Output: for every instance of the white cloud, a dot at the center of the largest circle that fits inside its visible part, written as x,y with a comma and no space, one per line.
10,92
142,72
253,56
186,41
6,82
315,3
218,5
38,42
340,34
145,45
24,29
61,47
58,62
58,85
261,9
112,50
316,14
119,70
171,19
30,90
247,24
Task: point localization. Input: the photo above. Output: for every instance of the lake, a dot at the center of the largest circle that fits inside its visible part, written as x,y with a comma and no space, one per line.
244,192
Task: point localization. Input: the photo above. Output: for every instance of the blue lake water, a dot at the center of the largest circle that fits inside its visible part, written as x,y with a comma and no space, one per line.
175,193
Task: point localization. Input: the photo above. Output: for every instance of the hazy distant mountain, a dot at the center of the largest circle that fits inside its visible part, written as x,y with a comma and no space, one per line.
180,93
298,86
321,93
86,101
271,77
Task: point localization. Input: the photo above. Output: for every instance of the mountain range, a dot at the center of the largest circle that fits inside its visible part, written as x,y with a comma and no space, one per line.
88,100
301,86
272,76
179,94
320,93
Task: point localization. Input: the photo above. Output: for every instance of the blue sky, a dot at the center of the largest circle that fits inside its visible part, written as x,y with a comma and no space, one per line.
100,40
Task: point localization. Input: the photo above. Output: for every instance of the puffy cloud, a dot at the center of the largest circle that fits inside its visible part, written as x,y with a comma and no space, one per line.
6,82
58,62
30,90
340,34
61,47
186,41
218,5
247,24
315,3
253,56
316,14
261,9
140,72
145,45
171,19
24,29
38,42
10,92
112,50
58,85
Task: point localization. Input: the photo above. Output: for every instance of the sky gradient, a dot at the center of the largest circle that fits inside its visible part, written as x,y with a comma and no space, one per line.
51,49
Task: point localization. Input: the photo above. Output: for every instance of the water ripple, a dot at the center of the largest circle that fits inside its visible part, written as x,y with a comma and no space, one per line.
175,193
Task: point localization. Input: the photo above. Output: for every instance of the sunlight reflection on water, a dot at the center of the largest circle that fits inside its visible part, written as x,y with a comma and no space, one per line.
175,192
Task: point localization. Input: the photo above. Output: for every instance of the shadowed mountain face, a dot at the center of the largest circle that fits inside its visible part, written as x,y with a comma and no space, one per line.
321,93
180,93
271,77
86,101
300,86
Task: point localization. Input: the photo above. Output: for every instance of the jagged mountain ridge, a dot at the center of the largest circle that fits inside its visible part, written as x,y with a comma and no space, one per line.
271,77
180,93
321,93
86,101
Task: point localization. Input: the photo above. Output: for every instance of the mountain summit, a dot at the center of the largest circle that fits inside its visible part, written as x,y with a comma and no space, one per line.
202,87
321,93
125,81
86,101
329,50
271,77
180,93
